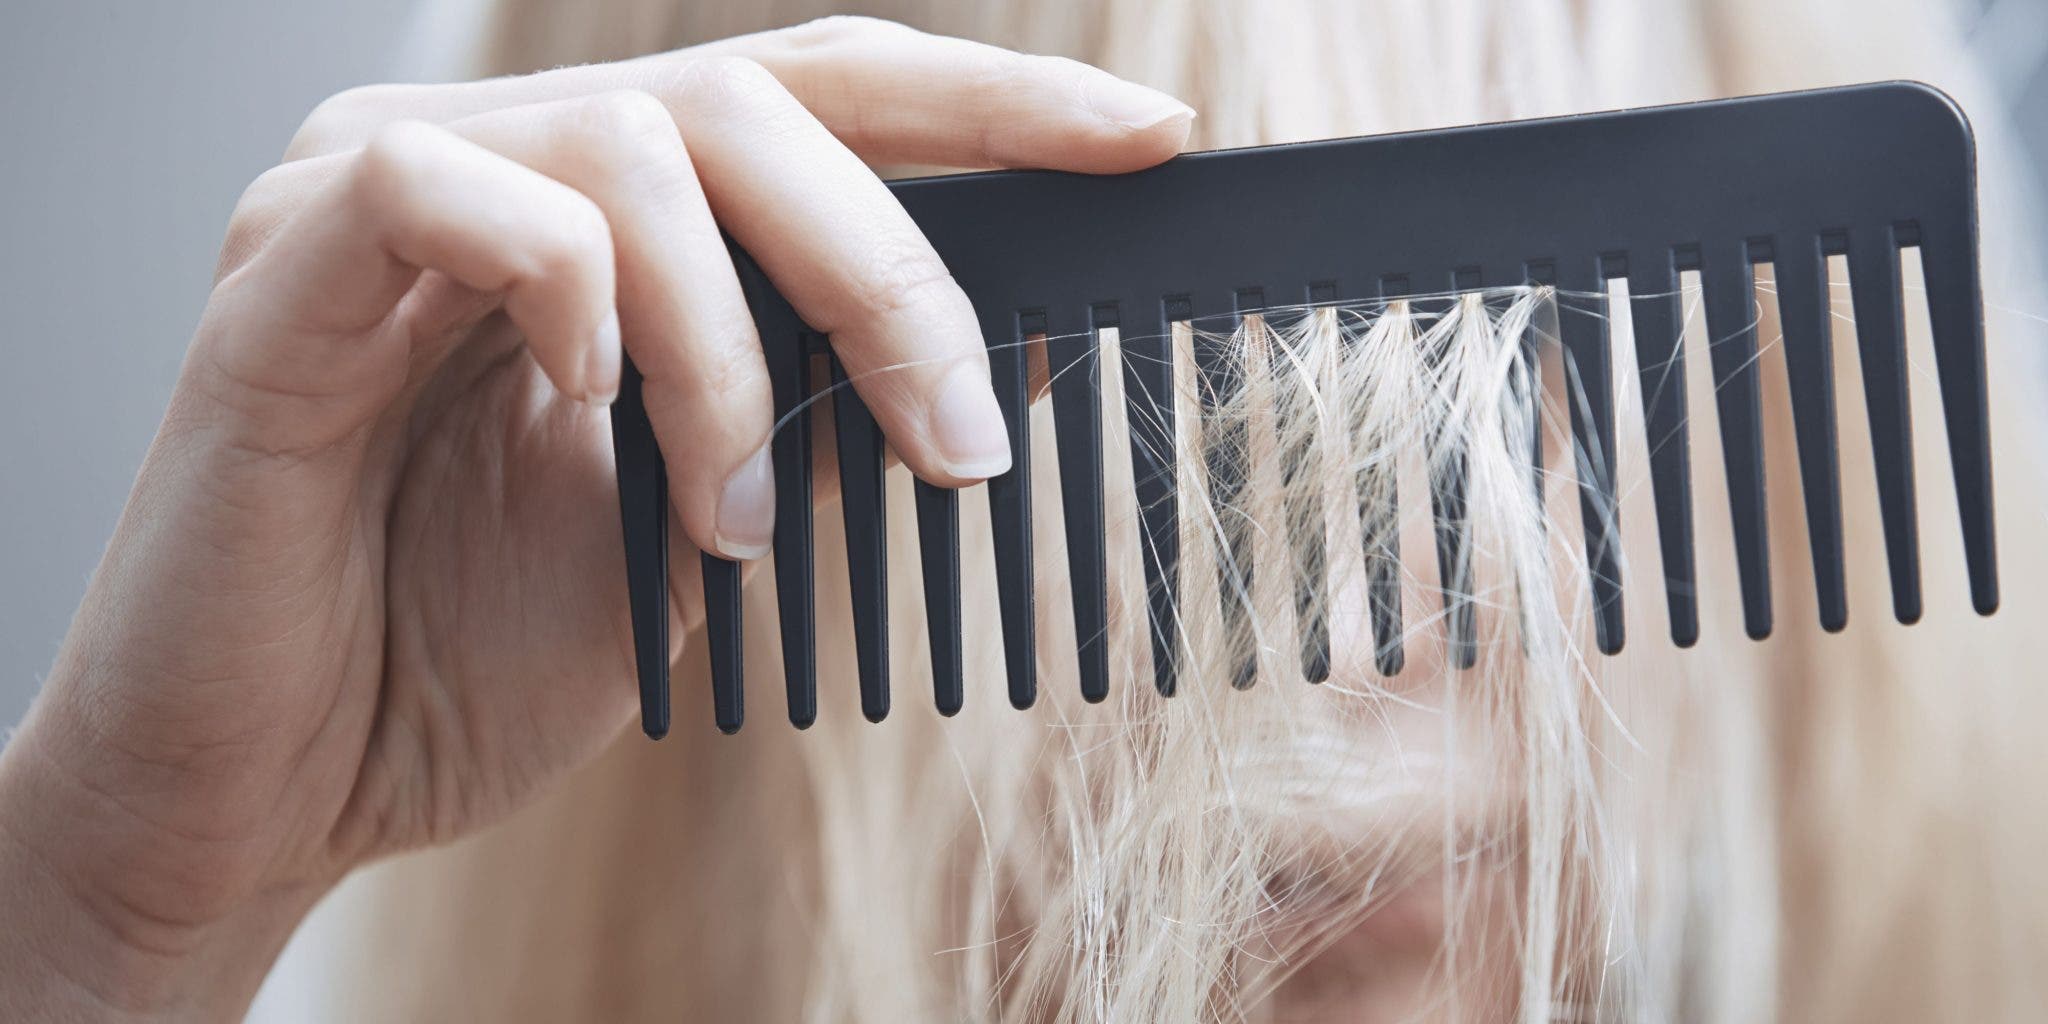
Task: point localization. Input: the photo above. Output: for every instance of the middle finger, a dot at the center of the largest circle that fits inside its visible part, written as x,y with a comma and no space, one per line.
685,320
850,260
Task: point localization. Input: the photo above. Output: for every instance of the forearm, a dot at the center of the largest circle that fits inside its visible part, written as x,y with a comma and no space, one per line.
77,945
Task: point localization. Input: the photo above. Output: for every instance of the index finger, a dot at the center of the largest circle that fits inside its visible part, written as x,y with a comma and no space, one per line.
890,93
853,264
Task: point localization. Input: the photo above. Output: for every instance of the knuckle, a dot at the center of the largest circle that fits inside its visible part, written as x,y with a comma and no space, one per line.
899,278
725,80
730,381
843,28
337,117
264,194
627,118
258,211
573,239
265,188
735,371
390,162
629,135
1058,73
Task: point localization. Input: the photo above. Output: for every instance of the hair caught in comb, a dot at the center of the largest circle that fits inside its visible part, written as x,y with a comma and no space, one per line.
1376,457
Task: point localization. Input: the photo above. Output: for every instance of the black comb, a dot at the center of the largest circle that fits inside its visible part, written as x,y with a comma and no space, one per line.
1573,202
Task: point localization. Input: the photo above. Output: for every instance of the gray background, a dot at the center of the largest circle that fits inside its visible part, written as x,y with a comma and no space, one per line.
128,129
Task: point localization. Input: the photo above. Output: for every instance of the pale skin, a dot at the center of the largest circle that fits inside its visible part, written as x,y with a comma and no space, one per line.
368,593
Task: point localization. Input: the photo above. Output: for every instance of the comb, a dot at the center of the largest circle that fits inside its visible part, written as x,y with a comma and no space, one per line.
1573,202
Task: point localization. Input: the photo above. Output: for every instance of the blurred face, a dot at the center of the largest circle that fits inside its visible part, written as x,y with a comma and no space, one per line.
1380,815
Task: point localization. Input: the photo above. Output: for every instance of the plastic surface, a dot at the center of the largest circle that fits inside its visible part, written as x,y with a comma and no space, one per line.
1642,195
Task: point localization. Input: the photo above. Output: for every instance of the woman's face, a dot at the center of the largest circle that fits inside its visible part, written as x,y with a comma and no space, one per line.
1401,895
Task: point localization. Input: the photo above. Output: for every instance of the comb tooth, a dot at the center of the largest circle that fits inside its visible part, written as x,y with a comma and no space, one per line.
795,584
1528,382
722,630
1224,444
1810,367
1148,402
1881,347
1448,517
1311,566
1453,562
1383,574
1009,505
1582,326
1073,356
1543,326
1379,515
1379,511
1728,288
867,558
643,516
1306,516
1660,363
938,541
1954,302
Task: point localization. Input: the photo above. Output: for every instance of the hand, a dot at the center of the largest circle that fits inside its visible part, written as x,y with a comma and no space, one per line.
368,592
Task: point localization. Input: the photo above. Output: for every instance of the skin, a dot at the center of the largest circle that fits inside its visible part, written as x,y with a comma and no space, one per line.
367,594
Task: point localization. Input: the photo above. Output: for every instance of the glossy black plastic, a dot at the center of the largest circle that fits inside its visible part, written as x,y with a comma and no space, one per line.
1643,195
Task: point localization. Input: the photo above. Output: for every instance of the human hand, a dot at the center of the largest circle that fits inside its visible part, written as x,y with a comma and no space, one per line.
368,592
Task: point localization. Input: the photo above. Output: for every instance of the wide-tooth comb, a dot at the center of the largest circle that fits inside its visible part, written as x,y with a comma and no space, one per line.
1573,202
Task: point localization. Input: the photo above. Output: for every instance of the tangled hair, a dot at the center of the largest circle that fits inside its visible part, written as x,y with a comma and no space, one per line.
1462,843
1180,857
1814,828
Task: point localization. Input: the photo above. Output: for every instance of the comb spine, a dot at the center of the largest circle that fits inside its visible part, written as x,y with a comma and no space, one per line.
1659,328
865,505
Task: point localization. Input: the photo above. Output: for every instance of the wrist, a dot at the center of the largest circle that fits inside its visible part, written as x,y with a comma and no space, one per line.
86,936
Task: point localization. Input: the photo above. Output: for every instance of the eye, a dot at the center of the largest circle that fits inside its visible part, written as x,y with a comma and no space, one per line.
1300,891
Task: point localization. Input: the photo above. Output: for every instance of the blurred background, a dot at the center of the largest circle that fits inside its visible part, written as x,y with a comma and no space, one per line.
129,130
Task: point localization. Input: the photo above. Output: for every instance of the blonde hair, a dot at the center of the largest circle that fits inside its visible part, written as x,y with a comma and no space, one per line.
1813,828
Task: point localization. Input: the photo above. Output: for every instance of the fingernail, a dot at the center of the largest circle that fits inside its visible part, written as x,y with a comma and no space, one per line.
746,511
601,363
1133,106
968,427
